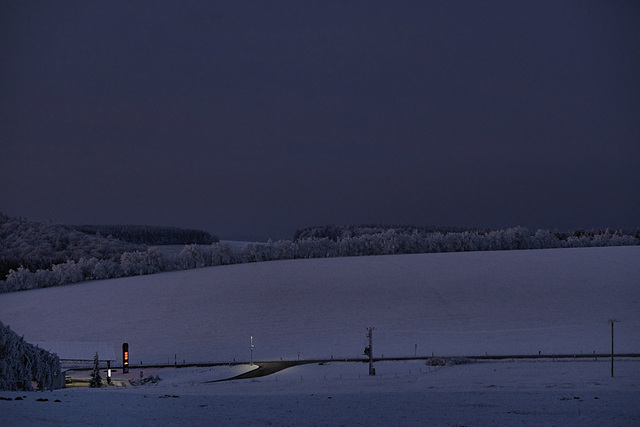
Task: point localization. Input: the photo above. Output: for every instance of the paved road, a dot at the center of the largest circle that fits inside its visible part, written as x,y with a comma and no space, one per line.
268,368
264,369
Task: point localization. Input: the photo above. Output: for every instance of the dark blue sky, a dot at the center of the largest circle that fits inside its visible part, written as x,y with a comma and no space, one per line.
250,119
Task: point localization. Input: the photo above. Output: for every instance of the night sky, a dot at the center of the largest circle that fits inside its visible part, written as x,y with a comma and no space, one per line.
251,119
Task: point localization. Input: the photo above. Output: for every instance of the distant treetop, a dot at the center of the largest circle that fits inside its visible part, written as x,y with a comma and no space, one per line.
150,235
337,233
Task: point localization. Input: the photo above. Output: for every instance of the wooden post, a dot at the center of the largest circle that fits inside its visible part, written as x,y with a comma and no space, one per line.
612,321
612,349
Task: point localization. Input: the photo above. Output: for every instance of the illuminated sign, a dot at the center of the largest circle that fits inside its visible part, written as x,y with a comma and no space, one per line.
125,358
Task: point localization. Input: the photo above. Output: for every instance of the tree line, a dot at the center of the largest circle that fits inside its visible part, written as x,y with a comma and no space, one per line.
339,232
136,263
316,242
330,241
149,235
41,245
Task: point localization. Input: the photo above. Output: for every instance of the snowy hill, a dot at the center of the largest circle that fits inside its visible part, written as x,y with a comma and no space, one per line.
513,302
455,303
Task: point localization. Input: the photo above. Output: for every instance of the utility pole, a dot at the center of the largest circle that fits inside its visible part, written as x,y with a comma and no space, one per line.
251,360
612,321
369,351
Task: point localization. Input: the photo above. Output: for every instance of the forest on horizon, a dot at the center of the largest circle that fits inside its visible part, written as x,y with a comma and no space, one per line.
37,255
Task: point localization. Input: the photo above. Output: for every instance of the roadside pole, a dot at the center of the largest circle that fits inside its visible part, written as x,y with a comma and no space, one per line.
612,321
369,351
251,359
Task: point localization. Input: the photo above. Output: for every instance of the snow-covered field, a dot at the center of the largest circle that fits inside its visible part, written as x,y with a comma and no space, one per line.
519,302
579,393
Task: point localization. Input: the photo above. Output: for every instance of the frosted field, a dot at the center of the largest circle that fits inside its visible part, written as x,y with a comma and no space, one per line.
546,393
552,301
518,302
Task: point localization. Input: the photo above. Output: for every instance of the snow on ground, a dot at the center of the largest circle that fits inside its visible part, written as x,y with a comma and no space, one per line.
548,301
541,392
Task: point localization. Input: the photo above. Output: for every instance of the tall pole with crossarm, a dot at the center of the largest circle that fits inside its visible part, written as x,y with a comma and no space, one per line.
369,351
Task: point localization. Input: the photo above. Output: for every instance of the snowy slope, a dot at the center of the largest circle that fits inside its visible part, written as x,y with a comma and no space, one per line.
549,301
501,302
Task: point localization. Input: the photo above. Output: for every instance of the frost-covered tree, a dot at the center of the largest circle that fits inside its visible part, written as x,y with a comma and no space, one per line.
96,379
24,366
257,252
222,254
18,280
106,269
192,257
545,239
